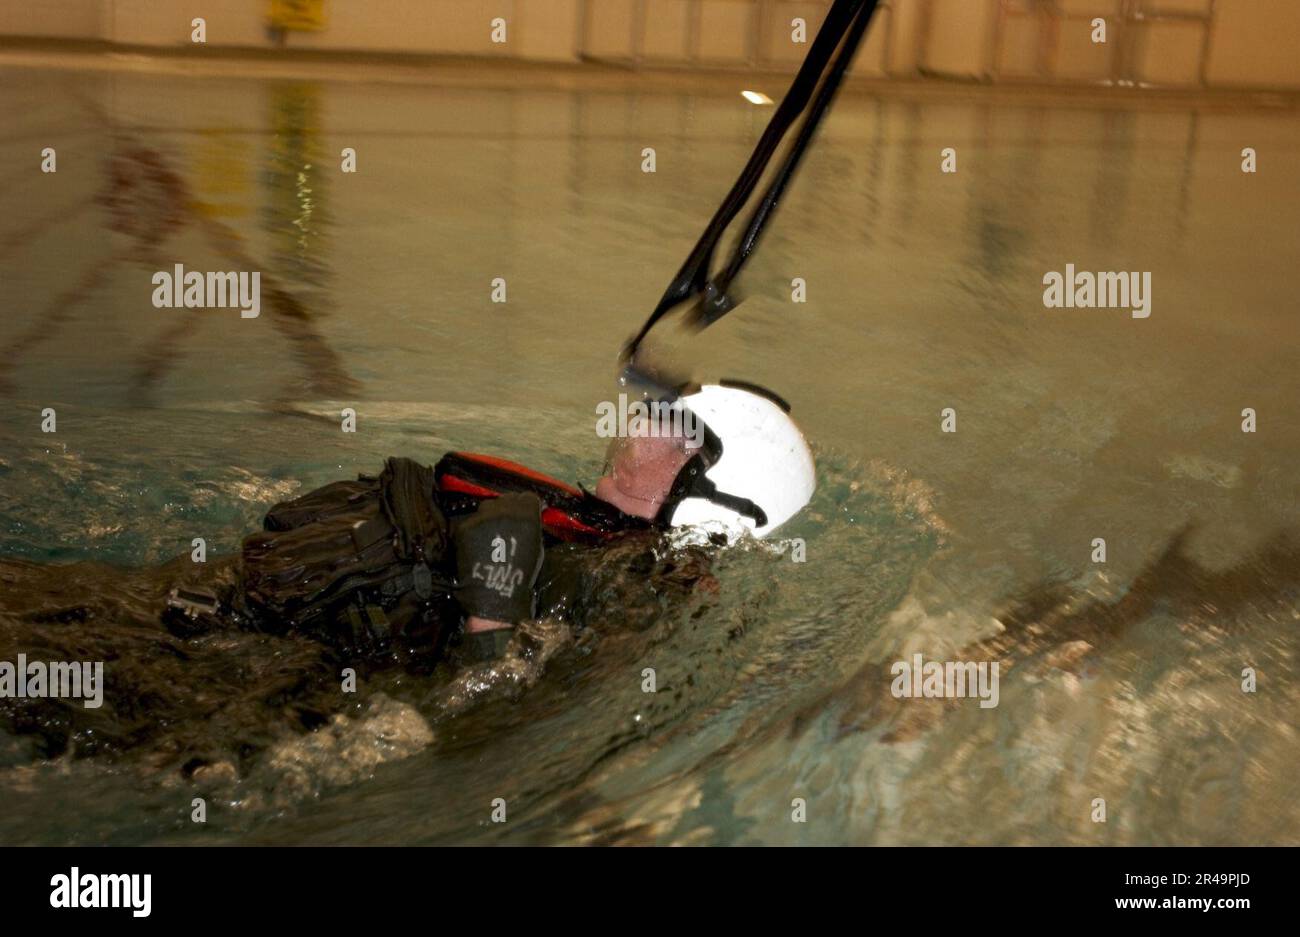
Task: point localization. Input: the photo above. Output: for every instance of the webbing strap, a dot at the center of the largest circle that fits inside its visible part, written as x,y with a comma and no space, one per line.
817,81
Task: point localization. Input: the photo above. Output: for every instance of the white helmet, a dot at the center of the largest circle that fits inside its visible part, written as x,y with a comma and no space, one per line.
755,470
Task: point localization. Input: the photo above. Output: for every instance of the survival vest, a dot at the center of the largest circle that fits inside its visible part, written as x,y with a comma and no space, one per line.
368,560
361,559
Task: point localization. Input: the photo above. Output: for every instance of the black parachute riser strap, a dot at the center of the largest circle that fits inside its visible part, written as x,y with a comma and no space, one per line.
693,275
758,219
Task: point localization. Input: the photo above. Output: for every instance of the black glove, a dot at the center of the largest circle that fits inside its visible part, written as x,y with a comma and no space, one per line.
498,557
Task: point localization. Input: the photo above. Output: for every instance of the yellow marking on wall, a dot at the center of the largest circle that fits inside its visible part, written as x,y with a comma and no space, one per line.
301,15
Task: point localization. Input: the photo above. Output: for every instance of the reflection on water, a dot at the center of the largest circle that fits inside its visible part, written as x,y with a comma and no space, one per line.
149,204
296,202
1121,680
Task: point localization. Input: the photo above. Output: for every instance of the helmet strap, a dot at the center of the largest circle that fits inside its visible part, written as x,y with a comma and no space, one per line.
692,482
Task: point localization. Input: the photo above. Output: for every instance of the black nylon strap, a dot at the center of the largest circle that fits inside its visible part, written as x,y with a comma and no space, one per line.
718,302
843,28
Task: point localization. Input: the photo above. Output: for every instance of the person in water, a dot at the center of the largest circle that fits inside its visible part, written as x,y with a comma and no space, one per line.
411,568
418,558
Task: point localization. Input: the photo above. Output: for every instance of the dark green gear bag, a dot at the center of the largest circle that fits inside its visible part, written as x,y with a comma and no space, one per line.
362,561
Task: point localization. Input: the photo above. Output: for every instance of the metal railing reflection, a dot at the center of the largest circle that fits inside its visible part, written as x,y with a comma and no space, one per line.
1129,23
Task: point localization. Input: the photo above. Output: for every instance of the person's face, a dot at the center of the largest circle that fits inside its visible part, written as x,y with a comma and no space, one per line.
640,471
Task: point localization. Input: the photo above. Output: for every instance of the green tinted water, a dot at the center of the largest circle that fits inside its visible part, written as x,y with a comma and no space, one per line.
924,292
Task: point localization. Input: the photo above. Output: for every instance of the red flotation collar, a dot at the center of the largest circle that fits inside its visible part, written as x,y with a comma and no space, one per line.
568,513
